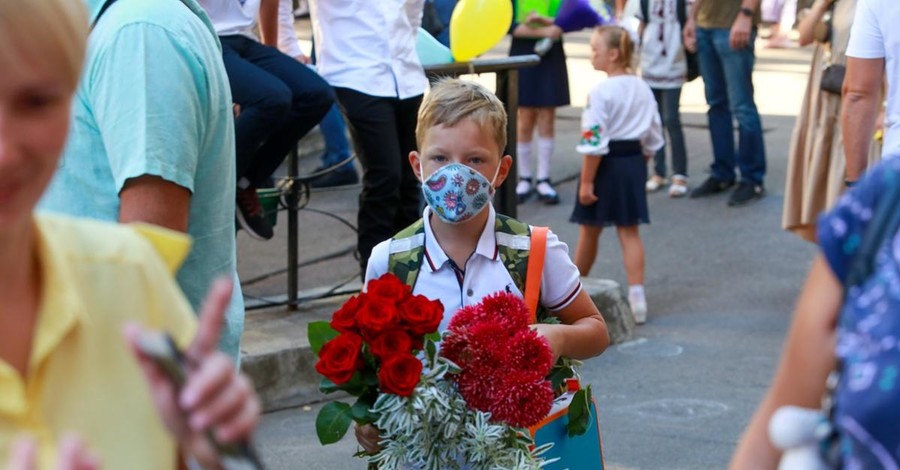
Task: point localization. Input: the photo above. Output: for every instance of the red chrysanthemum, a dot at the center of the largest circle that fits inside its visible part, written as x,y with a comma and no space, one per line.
507,308
530,352
521,402
469,316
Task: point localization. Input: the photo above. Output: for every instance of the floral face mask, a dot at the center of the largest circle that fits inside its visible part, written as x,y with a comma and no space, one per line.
456,193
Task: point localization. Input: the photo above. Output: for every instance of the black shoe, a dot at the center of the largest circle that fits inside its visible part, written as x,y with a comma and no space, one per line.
550,198
746,192
335,178
711,186
250,215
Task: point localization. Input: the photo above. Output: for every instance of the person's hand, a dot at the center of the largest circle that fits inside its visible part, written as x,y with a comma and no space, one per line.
586,194
689,35
535,19
236,109
554,32
551,333
368,437
215,397
73,455
304,59
740,32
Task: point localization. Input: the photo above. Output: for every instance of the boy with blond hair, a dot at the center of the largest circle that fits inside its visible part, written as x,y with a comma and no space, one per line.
458,252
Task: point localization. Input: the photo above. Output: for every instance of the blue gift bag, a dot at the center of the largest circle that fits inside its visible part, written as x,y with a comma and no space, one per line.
584,452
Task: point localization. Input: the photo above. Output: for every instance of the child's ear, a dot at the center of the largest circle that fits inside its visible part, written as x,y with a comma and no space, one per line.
414,162
503,172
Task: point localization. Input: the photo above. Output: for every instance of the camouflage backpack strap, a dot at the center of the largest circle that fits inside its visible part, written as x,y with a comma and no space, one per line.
406,253
513,246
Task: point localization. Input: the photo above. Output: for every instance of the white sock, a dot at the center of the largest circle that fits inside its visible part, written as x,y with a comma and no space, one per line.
523,153
545,152
636,290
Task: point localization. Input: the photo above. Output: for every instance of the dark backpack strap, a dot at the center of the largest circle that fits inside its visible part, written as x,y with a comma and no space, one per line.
681,9
645,11
407,250
103,8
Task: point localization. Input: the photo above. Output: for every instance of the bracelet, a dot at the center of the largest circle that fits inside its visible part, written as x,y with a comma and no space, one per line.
849,183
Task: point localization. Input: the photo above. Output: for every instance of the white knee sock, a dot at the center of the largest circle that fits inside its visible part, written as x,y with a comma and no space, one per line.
523,153
545,152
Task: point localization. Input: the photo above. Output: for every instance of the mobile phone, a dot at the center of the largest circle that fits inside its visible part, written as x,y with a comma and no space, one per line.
162,350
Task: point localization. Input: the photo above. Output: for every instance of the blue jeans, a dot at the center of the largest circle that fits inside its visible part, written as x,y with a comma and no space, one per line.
727,74
334,132
668,103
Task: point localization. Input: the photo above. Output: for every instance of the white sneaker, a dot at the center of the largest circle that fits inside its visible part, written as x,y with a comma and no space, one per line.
679,186
638,307
655,183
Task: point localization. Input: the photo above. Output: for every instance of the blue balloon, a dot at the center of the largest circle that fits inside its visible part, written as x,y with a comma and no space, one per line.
430,50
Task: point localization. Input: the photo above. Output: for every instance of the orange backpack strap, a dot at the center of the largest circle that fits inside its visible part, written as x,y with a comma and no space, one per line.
535,269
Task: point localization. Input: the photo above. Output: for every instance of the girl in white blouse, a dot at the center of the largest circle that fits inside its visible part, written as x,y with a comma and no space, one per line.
621,130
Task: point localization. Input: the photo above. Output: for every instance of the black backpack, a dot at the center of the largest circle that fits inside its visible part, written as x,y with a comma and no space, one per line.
693,66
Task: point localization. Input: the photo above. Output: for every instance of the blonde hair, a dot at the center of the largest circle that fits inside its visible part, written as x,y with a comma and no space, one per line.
618,38
50,32
451,100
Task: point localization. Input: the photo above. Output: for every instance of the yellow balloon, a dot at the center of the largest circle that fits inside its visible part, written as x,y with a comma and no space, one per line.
478,25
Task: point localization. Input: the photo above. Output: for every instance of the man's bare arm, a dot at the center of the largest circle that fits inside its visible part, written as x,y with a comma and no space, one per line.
859,109
268,22
156,201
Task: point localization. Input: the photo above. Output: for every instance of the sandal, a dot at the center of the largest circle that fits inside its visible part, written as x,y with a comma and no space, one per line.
655,183
679,186
523,190
546,193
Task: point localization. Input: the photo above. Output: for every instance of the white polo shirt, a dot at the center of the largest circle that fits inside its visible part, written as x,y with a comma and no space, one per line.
484,272
874,35
232,17
369,46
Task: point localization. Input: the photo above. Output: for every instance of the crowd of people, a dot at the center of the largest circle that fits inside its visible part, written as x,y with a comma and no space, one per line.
161,120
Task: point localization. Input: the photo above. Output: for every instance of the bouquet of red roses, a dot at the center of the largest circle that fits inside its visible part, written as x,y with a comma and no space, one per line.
369,348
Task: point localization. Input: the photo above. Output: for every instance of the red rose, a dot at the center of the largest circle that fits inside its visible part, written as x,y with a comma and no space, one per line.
340,358
390,343
376,316
388,286
344,319
400,374
420,315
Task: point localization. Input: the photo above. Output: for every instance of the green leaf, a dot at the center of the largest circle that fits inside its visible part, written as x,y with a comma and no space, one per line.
435,337
361,413
560,371
327,386
580,413
332,422
319,333
430,350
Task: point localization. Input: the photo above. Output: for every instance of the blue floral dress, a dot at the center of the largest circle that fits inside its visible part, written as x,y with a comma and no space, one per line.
867,411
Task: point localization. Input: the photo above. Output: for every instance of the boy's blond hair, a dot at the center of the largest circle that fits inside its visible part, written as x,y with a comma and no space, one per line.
52,33
451,100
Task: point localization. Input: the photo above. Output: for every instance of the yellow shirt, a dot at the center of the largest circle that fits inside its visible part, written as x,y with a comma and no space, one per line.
81,376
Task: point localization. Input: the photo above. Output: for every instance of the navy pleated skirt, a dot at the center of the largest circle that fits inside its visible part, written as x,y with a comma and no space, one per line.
545,84
619,187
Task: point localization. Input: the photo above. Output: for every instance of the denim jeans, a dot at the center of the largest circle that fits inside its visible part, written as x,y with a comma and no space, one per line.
668,102
727,74
334,132
280,98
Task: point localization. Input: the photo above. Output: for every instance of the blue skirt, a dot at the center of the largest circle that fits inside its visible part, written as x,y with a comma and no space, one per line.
546,84
619,187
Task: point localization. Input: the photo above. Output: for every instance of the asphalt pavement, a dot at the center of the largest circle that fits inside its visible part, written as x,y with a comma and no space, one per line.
721,284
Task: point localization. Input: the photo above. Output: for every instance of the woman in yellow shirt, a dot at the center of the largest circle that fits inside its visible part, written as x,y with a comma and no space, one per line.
70,288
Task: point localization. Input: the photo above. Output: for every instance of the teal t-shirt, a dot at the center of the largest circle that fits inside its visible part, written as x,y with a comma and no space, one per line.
154,100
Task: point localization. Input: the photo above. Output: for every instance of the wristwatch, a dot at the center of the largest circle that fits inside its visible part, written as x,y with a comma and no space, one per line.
747,11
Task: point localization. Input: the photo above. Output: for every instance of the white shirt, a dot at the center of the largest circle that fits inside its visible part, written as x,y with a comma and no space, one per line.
663,64
287,37
620,108
484,272
232,17
875,35
369,46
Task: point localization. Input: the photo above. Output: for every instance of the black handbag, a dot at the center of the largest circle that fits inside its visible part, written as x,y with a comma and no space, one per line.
833,78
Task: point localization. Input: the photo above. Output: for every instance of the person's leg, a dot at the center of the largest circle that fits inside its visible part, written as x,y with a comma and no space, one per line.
334,133
659,160
546,120
751,156
671,100
586,249
311,98
711,44
264,100
373,126
409,205
633,255
527,117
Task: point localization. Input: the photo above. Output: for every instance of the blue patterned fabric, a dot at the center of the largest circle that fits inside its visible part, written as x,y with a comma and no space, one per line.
867,411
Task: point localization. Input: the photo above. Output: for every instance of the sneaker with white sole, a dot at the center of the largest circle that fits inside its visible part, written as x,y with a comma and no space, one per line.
523,190
655,183
679,187
638,307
